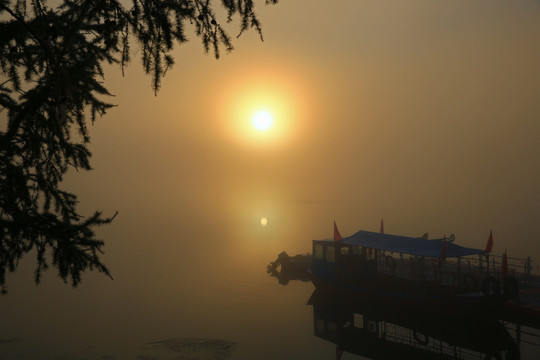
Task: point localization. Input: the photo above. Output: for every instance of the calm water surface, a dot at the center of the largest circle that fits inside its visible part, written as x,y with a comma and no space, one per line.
236,311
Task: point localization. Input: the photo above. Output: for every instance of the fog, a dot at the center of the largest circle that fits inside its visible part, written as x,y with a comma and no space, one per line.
424,113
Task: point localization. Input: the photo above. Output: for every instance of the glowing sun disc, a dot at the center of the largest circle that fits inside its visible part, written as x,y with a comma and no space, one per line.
264,221
262,120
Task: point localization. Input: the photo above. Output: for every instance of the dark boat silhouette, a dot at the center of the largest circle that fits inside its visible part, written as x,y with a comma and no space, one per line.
286,268
417,270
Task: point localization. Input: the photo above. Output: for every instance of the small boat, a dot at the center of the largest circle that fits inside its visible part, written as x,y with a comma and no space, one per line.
417,270
286,268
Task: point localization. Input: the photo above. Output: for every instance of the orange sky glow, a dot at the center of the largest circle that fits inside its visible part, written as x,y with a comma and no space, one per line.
424,113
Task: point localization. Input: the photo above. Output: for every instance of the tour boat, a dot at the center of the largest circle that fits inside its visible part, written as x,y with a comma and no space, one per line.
385,266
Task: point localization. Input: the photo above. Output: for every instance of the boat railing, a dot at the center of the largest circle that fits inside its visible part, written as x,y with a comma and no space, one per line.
520,268
467,271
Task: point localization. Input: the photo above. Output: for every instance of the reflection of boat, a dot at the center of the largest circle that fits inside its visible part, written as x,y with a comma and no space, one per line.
376,331
287,268
412,269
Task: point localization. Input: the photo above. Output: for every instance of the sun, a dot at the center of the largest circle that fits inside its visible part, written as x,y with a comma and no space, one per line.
262,120
262,110
264,221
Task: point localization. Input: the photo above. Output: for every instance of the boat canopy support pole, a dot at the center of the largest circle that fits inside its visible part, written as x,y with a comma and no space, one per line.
480,261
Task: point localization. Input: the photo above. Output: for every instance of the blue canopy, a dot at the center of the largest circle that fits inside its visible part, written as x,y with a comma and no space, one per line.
408,245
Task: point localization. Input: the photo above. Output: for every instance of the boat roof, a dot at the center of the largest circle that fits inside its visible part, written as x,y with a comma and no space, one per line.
407,245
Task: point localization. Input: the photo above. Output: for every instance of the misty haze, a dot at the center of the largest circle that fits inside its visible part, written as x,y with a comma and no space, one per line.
422,113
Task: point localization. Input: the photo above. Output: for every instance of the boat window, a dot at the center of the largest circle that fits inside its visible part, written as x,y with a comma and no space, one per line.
319,326
318,252
345,251
358,320
330,254
331,328
372,326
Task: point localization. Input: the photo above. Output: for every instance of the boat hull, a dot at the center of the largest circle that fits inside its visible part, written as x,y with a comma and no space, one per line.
435,302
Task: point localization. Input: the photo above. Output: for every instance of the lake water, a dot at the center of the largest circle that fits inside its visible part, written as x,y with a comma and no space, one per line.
236,311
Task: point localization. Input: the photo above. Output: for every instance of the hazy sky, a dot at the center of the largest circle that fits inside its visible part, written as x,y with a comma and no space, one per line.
423,112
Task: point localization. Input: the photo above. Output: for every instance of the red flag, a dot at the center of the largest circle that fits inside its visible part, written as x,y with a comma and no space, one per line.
504,267
489,245
382,226
337,236
443,252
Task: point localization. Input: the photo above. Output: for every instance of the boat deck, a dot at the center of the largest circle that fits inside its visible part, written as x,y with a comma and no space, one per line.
526,308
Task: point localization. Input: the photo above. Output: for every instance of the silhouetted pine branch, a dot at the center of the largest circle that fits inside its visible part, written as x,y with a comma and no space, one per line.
51,64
